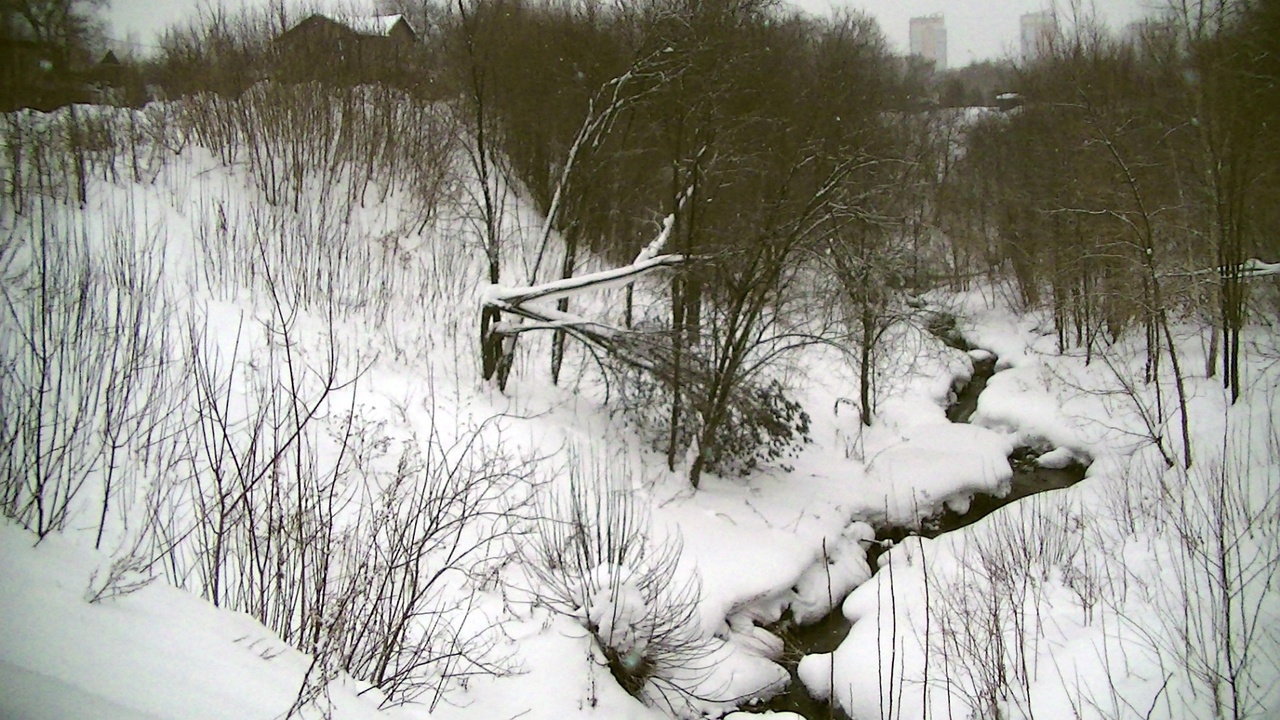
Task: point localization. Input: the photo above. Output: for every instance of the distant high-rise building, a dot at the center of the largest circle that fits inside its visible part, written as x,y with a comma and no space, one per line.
929,39
1038,29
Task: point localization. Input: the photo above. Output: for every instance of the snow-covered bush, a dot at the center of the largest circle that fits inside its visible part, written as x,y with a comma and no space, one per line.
591,557
764,425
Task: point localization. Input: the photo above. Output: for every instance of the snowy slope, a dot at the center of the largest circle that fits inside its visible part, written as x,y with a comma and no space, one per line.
155,653
396,312
1132,594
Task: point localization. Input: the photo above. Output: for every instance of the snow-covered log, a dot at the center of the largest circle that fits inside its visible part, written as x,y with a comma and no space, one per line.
620,343
1250,269
568,287
1254,267
625,345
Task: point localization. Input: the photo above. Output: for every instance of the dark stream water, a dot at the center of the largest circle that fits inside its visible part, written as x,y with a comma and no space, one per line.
824,635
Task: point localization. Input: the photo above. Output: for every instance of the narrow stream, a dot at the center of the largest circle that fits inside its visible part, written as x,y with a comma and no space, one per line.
827,633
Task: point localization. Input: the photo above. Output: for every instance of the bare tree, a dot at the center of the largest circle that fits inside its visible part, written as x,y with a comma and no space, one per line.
483,153
1228,49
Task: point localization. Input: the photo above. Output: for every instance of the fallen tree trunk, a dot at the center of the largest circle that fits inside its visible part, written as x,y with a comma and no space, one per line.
568,287
625,344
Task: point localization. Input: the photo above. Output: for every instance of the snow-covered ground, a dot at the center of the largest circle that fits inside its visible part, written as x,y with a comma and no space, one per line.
158,652
1144,591
395,317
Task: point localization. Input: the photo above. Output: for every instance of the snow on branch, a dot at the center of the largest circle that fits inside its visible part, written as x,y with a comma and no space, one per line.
624,345
498,295
619,343
1254,267
651,250
545,318
1247,270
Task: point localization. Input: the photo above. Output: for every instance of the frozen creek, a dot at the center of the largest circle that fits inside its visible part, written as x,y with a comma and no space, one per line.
826,634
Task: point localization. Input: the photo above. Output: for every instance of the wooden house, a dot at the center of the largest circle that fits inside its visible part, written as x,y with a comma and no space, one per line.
382,48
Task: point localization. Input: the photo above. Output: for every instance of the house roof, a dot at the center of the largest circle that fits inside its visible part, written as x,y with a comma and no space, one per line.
378,25
368,26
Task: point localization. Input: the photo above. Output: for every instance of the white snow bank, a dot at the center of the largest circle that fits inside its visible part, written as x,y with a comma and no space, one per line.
843,568
744,633
996,329
1024,397
980,355
1018,401
1056,459
858,684
747,567
740,678
562,677
815,672
1079,602
937,465
156,653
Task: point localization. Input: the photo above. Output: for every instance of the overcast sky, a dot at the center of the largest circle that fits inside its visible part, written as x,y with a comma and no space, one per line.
976,29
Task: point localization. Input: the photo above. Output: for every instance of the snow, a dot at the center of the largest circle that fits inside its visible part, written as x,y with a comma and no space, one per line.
567,287
620,611
981,355
1254,267
844,569
940,464
650,251
155,653
1057,458
561,677
780,541
1070,603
